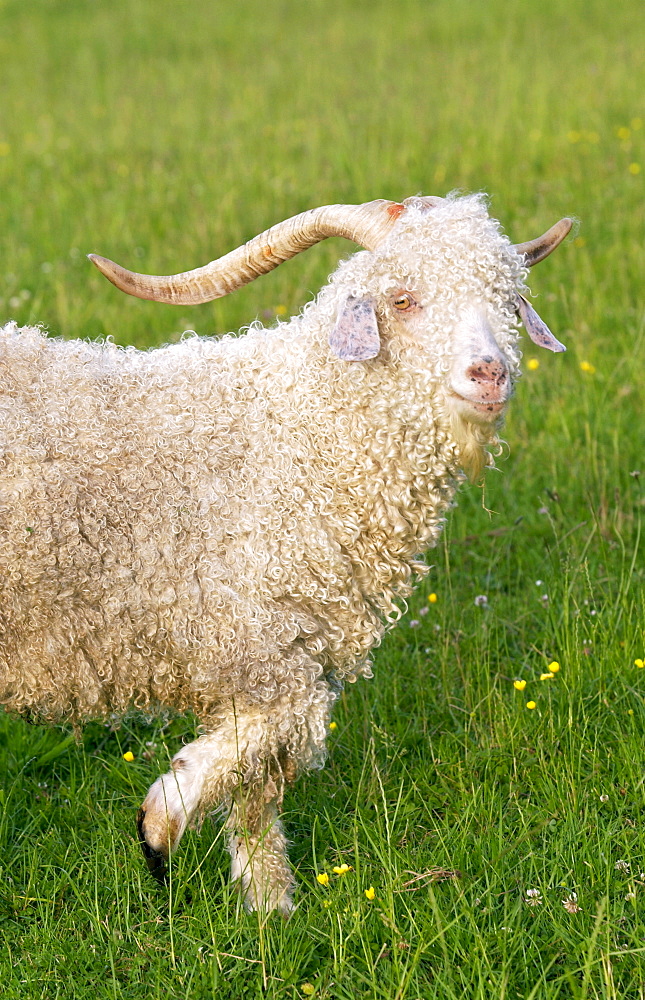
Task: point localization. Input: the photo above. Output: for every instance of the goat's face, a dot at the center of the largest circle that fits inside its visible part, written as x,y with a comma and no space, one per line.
477,359
443,293
443,299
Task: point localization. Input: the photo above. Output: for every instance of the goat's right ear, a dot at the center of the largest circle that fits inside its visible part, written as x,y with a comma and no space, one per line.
355,336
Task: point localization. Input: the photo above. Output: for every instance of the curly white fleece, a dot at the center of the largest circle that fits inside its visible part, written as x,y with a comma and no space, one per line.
235,519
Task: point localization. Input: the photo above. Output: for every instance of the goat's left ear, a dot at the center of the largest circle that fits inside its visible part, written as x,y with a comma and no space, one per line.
536,328
355,336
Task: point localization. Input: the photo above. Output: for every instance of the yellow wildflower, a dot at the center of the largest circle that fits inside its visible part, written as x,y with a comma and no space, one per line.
323,878
280,310
553,667
332,726
585,366
639,663
326,903
370,893
519,685
530,704
634,168
342,869
308,989
546,676
128,755
533,364
5,149
630,711
432,598
623,133
580,241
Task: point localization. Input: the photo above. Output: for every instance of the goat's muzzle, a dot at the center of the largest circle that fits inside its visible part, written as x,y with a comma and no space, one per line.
480,381
481,410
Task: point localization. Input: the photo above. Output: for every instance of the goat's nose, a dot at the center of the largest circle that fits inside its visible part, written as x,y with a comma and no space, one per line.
488,372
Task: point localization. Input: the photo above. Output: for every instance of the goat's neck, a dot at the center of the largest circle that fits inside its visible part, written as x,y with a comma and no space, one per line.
393,476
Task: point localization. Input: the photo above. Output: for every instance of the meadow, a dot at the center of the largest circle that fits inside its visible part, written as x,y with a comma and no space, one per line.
494,850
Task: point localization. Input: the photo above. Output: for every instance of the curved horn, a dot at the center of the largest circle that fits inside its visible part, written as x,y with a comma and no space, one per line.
366,224
536,250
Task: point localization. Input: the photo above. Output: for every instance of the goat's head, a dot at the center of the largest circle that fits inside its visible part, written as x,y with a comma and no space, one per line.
445,284
438,278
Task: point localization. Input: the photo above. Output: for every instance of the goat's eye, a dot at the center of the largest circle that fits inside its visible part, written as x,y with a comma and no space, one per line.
403,302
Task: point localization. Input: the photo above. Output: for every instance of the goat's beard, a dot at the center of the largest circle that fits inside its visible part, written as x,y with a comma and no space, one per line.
478,444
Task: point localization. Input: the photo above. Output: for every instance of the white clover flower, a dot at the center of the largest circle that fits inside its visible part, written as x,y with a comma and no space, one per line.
571,903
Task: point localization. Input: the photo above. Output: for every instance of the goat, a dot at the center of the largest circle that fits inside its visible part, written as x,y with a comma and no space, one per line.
229,526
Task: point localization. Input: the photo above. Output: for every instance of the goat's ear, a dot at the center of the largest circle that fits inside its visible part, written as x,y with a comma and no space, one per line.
355,336
536,328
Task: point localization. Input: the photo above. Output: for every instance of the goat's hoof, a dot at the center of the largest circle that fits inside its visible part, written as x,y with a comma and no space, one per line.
155,860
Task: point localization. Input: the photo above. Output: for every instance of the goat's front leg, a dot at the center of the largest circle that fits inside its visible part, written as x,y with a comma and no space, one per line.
257,844
243,763
174,798
207,773
203,775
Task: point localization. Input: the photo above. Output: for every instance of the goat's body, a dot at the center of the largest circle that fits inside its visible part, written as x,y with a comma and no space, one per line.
165,538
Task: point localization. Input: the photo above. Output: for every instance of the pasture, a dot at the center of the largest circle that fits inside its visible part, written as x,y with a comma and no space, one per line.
494,850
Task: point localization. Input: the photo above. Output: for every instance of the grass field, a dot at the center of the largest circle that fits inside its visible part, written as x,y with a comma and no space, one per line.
163,134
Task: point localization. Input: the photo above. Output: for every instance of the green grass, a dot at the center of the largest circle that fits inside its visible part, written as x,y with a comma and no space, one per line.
162,134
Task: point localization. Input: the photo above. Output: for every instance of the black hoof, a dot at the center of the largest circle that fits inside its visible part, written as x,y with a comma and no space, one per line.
155,860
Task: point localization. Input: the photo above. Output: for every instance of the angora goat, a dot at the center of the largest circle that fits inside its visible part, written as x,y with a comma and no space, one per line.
226,526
